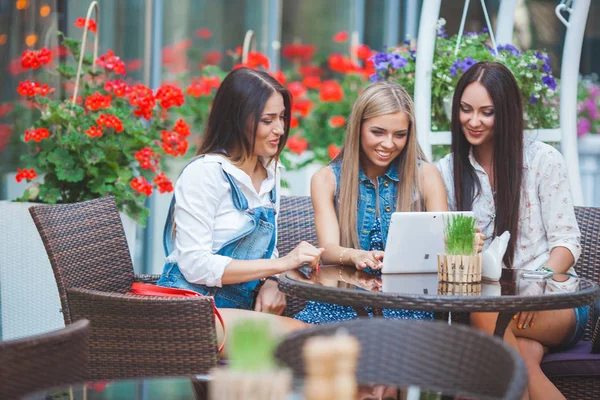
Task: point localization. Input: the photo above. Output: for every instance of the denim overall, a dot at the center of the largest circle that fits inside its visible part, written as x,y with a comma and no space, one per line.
256,240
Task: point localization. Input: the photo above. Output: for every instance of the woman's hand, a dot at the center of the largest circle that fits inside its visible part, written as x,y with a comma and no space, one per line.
525,319
479,240
363,259
303,253
269,299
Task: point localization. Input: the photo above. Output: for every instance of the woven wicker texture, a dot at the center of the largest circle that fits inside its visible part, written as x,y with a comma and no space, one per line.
130,336
295,223
140,336
40,362
436,356
588,265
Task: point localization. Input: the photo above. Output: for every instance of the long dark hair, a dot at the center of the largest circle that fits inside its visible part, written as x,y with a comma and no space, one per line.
239,104
508,149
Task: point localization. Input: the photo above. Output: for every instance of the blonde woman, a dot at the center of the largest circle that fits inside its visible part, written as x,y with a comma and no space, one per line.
380,170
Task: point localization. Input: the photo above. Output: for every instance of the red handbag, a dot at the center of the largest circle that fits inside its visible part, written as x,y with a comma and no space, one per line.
146,289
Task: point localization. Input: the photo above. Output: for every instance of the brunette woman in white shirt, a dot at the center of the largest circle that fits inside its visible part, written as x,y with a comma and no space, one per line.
220,235
521,186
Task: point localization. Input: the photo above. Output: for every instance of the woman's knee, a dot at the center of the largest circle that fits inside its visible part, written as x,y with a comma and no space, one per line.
531,350
484,321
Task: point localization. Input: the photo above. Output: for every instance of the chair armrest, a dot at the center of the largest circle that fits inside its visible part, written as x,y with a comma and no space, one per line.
146,278
136,336
596,338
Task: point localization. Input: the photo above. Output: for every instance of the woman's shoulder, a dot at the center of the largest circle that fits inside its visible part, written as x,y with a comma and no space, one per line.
540,155
205,171
324,176
446,166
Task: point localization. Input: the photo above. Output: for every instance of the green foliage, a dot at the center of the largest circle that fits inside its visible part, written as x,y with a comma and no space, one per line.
459,231
530,69
251,346
73,165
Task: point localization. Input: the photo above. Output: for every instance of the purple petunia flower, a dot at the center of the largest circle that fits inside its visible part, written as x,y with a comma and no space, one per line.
543,57
374,77
510,48
583,127
397,61
467,63
533,99
454,67
468,34
413,54
532,66
441,32
485,30
549,81
546,68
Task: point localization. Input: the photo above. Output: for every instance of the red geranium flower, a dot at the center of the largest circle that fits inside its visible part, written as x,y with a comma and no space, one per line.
302,107
25,173
36,134
333,151
293,122
212,57
312,82
310,70
111,62
169,95
296,144
118,87
257,59
340,63
279,76
110,121
134,64
98,101
34,59
147,158
5,109
297,90
94,131
331,91
337,121
30,89
299,52
340,36
163,183
204,33
80,23
362,51
141,185
182,128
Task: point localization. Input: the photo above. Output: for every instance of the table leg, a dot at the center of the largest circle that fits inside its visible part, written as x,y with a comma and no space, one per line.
502,322
378,312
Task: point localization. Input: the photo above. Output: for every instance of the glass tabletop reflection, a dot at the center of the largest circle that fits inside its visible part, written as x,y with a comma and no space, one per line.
513,282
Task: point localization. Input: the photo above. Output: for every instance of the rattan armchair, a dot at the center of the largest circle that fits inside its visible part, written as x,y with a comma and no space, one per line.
439,357
576,372
130,336
35,363
295,223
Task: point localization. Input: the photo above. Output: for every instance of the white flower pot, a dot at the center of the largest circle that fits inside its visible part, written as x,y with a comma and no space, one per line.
29,301
299,180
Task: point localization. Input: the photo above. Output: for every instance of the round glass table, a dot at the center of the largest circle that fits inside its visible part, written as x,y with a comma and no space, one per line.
518,290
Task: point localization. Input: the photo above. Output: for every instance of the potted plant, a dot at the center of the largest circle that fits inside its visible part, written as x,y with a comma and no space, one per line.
459,264
252,372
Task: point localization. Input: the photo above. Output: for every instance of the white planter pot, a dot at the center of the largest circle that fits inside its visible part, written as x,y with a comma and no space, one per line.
589,165
29,301
299,180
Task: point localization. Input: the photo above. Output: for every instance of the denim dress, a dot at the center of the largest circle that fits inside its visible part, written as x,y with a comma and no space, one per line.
256,240
372,234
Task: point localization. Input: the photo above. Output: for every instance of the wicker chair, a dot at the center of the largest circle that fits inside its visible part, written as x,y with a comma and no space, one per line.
436,356
131,336
576,372
44,361
295,223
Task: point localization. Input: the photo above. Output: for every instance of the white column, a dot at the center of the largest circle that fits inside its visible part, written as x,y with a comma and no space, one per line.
568,93
427,37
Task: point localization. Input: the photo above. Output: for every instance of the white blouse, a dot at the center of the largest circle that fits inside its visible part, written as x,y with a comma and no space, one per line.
206,218
546,215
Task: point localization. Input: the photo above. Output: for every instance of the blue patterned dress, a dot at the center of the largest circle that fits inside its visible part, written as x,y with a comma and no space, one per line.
322,313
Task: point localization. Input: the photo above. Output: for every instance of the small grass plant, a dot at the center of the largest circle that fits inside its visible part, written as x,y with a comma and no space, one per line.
251,346
459,231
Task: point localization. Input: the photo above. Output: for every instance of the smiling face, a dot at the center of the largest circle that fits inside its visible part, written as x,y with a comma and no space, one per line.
382,139
476,114
271,127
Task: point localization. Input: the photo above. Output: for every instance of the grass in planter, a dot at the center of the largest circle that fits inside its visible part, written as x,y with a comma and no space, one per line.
251,346
459,231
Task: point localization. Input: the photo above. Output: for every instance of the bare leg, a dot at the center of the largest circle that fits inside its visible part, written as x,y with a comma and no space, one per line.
540,386
550,329
281,325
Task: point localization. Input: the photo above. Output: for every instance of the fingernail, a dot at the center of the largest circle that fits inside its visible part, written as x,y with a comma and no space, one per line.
520,326
515,317
531,324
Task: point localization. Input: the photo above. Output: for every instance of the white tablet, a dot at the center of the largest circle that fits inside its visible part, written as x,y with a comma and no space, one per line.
414,240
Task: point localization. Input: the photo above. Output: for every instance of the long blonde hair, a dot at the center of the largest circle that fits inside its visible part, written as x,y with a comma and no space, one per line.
380,98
